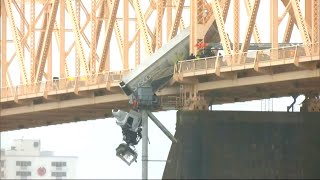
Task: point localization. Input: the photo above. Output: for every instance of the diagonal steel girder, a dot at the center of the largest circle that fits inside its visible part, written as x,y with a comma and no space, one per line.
17,42
302,25
143,26
222,31
256,34
107,38
160,13
47,41
177,19
76,31
250,26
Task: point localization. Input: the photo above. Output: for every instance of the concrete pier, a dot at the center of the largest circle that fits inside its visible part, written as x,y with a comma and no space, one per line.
226,144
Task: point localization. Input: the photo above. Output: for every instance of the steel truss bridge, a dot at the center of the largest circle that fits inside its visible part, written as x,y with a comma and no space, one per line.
58,57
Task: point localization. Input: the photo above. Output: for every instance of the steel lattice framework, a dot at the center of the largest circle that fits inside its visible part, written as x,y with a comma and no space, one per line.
34,26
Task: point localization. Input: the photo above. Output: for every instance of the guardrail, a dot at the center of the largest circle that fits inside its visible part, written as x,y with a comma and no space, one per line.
61,85
247,58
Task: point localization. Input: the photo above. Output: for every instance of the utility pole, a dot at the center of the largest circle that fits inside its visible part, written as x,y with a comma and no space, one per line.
144,144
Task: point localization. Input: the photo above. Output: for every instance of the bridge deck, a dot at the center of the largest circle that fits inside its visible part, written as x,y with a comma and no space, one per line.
256,75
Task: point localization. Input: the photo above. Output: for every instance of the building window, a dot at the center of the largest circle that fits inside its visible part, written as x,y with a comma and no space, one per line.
59,164
23,163
35,144
59,174
23,173
2,163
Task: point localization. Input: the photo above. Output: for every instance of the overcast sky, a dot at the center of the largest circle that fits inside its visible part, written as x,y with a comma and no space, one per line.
94,142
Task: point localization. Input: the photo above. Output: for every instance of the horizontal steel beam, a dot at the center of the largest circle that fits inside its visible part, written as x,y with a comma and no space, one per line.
255,80
253,46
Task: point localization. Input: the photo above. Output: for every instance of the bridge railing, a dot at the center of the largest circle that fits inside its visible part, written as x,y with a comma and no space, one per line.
201,64
223,60
276,54
211,62
61,85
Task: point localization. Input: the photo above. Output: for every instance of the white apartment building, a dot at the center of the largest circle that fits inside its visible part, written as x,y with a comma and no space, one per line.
24,160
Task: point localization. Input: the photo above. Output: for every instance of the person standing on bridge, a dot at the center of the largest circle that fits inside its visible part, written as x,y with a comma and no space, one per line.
192,56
